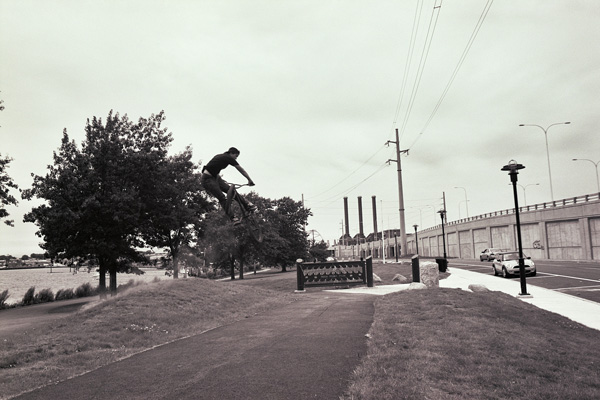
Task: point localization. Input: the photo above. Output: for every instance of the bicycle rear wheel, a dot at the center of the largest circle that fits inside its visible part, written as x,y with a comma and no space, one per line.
254,228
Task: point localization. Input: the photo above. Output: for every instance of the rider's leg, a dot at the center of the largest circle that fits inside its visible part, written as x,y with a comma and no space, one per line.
212,186
249,207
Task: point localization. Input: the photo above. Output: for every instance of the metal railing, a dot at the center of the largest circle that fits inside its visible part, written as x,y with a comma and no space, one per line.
541,206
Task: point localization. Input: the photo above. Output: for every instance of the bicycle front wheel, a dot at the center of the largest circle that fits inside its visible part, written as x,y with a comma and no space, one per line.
254,229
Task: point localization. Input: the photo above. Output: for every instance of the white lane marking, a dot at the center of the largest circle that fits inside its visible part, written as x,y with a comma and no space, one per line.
591,288
571,277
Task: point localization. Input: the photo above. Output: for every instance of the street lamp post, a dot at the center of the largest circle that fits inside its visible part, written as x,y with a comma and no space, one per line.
466,200
443,263
513,167
596,165
547,151
443,216
416,237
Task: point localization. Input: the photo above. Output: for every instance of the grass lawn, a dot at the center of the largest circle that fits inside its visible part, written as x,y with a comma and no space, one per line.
430,344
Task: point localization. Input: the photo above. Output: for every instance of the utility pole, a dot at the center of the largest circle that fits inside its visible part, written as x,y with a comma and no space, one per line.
382,234
400,192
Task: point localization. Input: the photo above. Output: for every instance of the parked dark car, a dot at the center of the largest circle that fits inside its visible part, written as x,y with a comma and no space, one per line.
489,254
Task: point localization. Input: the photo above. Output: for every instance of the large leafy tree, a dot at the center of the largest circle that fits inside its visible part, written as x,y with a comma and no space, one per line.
288,220
318,251
94,205
6,184
174,205
284,240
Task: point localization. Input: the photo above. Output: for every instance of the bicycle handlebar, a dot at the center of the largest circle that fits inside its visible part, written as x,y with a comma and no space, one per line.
239,185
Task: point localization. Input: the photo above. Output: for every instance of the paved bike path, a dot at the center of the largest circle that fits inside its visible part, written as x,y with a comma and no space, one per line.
303,350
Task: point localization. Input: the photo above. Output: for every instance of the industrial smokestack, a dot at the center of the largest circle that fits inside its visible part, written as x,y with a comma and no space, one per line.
346,215
360,218
375,217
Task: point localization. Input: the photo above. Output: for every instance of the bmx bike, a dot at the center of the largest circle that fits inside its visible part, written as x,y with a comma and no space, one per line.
248,219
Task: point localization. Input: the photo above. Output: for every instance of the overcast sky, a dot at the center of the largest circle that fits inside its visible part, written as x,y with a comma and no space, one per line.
310,92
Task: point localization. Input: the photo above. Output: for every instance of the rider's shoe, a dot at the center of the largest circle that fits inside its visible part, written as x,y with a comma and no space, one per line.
252,208
236,221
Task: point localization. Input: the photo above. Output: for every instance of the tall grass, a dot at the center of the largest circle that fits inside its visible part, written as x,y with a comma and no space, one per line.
3,297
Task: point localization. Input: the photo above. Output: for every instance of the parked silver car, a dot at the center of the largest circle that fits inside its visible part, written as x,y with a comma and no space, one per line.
507,264
489,254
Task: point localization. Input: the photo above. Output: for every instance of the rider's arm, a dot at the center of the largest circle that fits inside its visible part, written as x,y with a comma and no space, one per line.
243,172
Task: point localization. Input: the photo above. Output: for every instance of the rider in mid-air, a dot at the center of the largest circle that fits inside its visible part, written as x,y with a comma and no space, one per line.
216,186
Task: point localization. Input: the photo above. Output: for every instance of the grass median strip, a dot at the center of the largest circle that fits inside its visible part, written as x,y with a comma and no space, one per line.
453,344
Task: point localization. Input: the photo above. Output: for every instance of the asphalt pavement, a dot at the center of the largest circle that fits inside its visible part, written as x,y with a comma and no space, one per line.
303,350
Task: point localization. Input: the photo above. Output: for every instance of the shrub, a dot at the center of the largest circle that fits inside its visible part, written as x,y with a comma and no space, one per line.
64,294
129,284
85,290
45,296
29,297
3,297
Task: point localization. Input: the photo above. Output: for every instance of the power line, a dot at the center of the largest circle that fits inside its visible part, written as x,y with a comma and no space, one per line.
422,62
345,192
411,47
349,175
484,13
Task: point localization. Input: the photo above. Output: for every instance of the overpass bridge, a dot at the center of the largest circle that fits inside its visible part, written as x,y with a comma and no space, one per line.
567,229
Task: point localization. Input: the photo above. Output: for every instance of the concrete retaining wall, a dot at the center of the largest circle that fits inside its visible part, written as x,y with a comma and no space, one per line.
564,230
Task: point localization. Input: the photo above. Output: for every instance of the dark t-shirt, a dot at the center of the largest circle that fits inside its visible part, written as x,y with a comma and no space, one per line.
219,162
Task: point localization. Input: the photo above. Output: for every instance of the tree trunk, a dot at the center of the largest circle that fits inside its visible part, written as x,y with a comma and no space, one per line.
102,278
175,266
113,280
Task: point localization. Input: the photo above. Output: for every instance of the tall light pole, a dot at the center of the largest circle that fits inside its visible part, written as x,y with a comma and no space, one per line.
421,213
525,190
466,200
547,151
459,207
596,165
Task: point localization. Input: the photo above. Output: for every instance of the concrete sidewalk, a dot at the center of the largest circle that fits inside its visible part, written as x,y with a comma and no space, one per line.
583,311
580,310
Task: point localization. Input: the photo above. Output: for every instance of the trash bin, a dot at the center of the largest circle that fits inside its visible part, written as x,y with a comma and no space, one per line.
442,264
416,272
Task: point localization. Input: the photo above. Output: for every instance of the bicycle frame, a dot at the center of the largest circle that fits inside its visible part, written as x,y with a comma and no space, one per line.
232,194
251,223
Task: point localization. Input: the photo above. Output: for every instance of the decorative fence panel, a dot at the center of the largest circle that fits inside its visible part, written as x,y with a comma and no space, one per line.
335,273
